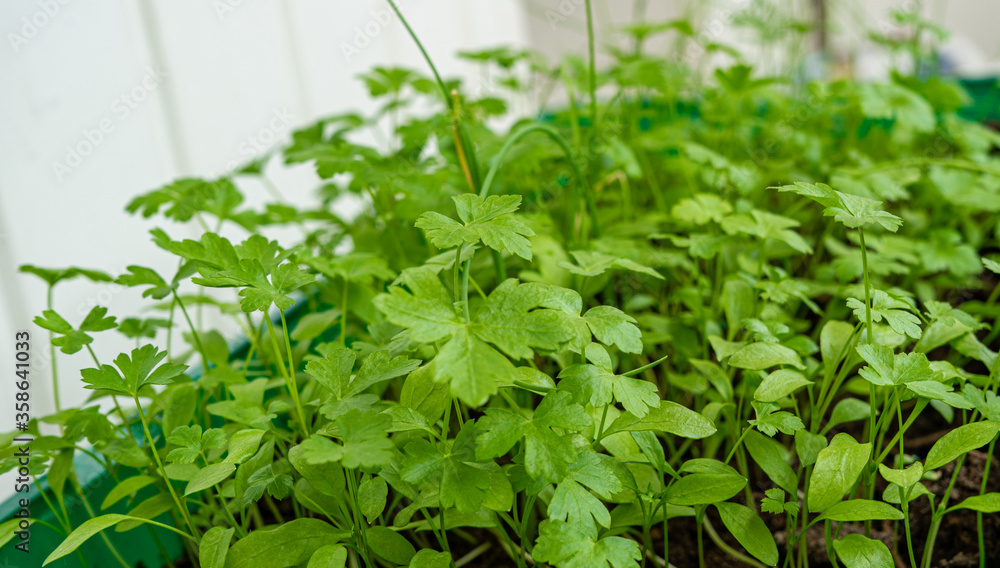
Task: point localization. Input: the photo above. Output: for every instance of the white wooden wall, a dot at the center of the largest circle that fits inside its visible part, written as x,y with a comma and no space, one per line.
179,87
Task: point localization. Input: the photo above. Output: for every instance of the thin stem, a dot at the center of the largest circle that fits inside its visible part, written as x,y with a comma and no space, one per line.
456,275
459,144
427,58
666,534
171,529
737,444
938,515
869,479
909,422
591,75
52,357
343,317
170,325
828,539
220,501
868,293
828,390
289,380
804,526
64,521
125,419
273,508
904,499
194,333
600,429
473,554
516,555
465,290
728,549
359,527
979,514
867,281
272,188
699,520
159,464
525,519
564,146
444,534
90,511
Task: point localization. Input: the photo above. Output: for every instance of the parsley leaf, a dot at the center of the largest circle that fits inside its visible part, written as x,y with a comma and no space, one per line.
566,545
70,339
597,384
573,501
771,422
365,436
137,371
461,480
193,443
896,313
850,210
490,221
547,453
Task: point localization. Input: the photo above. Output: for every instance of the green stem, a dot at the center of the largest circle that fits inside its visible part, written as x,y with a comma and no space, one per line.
90,511
868,293
921,403
289,380
904,499
465,290
666,535
220,500
828,539
979,514
517,556
564,146
125,419
804,526
869,479
427,58
728,549
194,332
525,519
699,520
591,77
737,444
52,357
62,520
600,429
444,534
170,326
828,391
171,529
457,274
343,317
359,527
159,464
940,511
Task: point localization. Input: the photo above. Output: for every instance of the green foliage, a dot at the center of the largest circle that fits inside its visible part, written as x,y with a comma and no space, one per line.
557,337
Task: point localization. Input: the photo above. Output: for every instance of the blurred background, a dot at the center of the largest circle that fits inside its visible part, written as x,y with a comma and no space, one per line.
105,99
